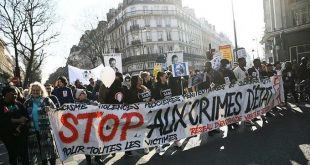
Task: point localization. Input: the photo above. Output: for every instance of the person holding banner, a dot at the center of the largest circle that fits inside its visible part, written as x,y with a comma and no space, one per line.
240,71
81,98
40,141
161,91
213,79
147,80
226,72
228,78
13,130
161,88
138,93
256,72
113,95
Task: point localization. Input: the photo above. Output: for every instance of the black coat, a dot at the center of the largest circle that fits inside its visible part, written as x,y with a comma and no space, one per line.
10,111
161,91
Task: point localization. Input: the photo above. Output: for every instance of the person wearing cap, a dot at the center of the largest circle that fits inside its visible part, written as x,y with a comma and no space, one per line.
63,93
13,130
40,142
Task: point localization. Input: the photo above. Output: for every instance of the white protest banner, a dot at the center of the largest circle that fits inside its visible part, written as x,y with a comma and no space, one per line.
180,69
114,60
83,75
174,58
104,129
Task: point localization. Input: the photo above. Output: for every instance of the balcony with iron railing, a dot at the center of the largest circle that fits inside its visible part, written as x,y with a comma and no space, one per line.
134,28
136,42
136,13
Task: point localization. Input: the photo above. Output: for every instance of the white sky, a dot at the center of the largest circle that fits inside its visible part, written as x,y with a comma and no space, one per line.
75,16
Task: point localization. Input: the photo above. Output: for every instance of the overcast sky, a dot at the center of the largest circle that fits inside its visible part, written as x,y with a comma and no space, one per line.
75,16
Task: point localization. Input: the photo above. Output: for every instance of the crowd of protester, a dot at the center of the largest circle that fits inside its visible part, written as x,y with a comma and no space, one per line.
23,112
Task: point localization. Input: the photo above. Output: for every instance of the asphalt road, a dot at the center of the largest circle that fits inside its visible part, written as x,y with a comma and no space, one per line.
283,139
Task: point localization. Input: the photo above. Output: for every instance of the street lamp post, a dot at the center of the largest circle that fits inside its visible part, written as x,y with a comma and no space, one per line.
235,31
255,40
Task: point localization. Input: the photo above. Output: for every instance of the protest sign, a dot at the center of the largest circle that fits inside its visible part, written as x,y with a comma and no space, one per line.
180,69
157,68
114,60
226,52
196,80
174,58
83,75
104,129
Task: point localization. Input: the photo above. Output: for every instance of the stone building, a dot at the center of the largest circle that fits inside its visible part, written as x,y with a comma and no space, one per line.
6,63
287,29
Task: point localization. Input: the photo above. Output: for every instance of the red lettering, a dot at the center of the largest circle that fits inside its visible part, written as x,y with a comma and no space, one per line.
128,117
106,138
64,120
90,117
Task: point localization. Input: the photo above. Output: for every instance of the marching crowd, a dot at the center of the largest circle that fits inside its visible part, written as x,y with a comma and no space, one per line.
25,128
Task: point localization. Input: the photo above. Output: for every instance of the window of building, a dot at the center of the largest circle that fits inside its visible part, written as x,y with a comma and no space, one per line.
145,9
133,10
169,36
147,22
168,22
159,22
165,9
161,49
134,22
301,16
150,65
170,48
160,36
149,50
148,36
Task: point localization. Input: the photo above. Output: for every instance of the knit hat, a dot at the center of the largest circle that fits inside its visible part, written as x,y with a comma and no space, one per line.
79,92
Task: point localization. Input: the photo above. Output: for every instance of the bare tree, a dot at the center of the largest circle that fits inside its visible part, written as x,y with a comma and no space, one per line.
39,20
93,44
12,25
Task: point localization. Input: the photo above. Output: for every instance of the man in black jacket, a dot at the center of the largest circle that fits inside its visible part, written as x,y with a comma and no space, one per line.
63,93
256,71
213,77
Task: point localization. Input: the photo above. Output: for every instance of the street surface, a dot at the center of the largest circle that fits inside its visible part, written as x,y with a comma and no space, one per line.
283,139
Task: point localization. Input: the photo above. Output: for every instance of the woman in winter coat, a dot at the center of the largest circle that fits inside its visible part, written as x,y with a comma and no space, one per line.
40,142
161,89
